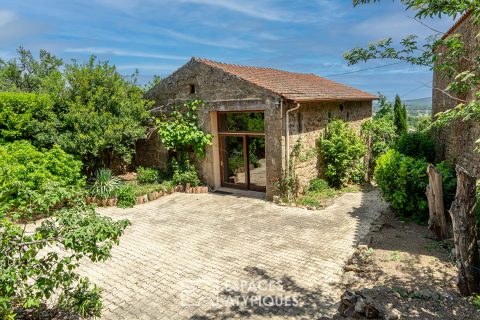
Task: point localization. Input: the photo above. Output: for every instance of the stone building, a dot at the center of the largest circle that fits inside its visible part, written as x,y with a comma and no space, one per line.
457,141
256,116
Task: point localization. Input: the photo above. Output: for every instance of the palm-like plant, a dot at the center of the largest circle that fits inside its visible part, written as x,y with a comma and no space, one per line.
105,184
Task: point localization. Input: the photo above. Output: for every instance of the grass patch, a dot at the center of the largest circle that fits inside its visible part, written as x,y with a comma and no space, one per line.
319,194
141,189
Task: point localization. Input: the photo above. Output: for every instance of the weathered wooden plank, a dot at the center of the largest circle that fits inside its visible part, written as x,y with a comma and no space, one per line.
436,222
465,234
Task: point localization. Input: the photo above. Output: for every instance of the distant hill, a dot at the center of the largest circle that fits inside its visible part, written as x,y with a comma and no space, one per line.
422,102
419,106
415,106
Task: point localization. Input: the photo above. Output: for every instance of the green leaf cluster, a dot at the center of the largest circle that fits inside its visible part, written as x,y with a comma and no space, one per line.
419,145
28,116
31,273
179,130
184,172
147,175
34,181
382,133
341,150
104,185
402,181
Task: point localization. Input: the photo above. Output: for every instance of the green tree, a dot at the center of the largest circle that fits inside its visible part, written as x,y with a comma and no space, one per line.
103,114
382,133
446,55
341,149
28,74
400,116
385,109
95,113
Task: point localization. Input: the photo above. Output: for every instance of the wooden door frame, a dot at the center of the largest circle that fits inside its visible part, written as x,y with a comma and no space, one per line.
246,156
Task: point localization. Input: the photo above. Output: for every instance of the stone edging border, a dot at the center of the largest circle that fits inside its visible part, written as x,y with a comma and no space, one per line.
112,202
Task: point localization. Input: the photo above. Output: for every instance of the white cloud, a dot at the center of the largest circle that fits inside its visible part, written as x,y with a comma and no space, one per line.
125,53
252,9
7,17
147,67
230,43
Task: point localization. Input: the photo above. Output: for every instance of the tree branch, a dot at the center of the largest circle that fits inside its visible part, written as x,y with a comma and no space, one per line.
29,243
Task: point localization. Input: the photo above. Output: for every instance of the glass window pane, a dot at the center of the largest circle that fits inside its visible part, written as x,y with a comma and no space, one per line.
257,163
233,160
241,121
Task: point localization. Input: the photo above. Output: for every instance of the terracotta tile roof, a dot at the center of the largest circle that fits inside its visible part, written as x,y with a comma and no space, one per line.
457,24
292,86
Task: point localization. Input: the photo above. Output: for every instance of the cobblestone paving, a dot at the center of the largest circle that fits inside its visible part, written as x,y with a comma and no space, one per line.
208,256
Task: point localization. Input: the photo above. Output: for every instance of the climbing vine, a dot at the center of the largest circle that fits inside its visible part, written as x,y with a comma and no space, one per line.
179,130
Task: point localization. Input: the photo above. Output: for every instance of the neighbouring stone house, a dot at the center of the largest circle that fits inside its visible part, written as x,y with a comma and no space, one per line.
457,141
256,116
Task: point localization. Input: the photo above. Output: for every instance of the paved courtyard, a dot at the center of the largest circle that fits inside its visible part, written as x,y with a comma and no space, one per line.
210,256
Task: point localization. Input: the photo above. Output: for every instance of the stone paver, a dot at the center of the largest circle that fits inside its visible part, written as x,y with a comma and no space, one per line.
208,256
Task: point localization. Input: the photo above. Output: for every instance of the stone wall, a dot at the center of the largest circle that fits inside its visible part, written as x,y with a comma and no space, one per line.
457,141
309,122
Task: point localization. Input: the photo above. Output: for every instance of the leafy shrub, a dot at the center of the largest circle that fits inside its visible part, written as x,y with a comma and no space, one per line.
382,133
418,145
317,193
340,149
32,274
105,184
317,184
126,196
28,116
147,175
449,182
402,181
34,181
83,300
147,188
184,173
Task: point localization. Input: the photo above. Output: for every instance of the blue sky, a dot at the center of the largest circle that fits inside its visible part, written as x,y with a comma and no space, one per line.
158,36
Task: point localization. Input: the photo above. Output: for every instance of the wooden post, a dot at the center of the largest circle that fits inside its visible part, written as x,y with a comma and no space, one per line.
436,222
368,157
465,233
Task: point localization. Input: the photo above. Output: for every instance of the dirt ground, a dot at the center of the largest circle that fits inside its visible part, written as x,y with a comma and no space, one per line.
407,274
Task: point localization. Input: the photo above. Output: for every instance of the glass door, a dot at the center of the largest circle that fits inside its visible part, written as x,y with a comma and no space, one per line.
233,159
242,150
257,167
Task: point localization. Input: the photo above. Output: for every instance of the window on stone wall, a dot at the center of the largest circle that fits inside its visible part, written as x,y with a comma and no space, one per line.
193,89
300,122
341,107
